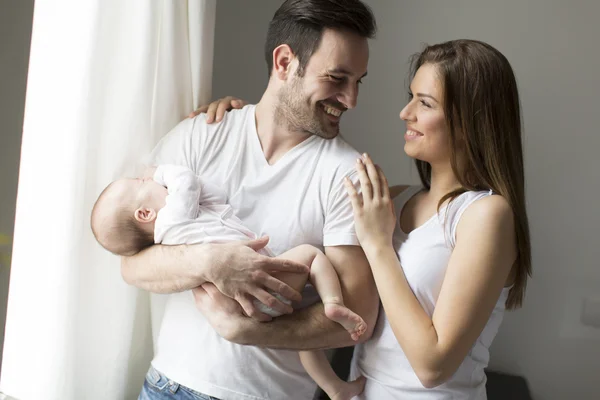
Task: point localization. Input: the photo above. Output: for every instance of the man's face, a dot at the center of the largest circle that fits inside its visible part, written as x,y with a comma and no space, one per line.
315,102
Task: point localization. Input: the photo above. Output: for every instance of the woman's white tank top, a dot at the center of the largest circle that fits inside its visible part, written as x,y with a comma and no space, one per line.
424,254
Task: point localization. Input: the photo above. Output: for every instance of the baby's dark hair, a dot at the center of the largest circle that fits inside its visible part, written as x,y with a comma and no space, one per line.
116,229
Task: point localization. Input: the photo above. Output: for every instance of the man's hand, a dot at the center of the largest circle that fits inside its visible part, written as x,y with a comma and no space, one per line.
216,110
306,329
224,314
148,172
242,274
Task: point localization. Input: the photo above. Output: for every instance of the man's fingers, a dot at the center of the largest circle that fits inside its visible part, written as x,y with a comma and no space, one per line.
277,286
258,244
273,302
251,311
226,302
199,293
281,265
200,296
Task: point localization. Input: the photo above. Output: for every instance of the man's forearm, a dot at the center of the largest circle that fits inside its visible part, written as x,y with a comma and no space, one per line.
309,328
167,269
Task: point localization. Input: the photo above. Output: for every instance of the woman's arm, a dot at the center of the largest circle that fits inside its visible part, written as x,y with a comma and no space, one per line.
478,270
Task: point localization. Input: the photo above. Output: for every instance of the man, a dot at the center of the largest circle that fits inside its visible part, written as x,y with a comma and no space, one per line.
282,165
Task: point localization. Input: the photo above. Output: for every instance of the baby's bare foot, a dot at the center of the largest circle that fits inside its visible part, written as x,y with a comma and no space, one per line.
349,389
351,321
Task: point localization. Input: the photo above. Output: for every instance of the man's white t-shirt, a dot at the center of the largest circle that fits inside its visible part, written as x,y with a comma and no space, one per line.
299,199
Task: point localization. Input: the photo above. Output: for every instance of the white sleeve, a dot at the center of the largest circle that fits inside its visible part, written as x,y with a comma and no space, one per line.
184,190
212,194
182,145
338,229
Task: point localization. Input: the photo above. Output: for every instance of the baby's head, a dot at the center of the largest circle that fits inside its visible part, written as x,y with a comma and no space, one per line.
124,215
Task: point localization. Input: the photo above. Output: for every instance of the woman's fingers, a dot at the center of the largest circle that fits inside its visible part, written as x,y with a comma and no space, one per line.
201,110
373,175
212,112
365,183
385,189
353,194
216,110
238,103
225,104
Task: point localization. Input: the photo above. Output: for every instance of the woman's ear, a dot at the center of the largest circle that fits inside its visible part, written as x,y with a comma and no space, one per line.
145,215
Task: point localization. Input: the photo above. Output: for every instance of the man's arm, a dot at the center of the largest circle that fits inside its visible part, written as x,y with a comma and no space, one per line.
236,269
167,269
306,329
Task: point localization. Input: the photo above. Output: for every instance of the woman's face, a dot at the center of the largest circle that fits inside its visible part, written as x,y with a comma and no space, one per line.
427,134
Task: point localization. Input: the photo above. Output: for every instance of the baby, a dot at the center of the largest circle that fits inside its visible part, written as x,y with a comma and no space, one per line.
176,207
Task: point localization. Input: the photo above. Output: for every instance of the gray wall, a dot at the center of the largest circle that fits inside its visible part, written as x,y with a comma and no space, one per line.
15,35
552,46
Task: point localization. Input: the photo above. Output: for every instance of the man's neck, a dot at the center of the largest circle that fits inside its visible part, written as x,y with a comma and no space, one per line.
275,136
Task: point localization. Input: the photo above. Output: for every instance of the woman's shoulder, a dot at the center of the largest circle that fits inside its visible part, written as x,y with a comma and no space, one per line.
476,211
489,207
492,211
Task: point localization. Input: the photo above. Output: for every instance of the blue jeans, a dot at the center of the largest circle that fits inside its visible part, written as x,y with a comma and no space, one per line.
159,387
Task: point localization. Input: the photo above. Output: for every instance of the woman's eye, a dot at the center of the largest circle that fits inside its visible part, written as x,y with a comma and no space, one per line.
425,104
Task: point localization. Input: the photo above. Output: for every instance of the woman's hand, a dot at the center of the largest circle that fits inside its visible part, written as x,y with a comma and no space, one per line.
374,214
216,110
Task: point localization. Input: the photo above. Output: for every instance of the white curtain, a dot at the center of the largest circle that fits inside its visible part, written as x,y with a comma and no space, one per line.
107,78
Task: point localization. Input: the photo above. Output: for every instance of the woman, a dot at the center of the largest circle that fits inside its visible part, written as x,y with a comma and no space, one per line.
455,252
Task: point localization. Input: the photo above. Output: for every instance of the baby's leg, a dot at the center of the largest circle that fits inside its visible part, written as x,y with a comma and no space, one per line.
319,369
325,280
298,254
294,280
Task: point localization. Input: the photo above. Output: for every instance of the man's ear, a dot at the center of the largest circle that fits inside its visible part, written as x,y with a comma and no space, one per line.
284,62
145,215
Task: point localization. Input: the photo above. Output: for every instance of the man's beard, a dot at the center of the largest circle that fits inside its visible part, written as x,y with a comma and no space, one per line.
295,111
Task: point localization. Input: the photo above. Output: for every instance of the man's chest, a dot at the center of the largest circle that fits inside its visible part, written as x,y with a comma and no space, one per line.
288,205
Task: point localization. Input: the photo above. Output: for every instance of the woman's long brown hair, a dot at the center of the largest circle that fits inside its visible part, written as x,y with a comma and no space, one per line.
482,110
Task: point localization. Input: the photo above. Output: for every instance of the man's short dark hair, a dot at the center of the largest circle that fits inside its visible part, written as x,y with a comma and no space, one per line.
300,25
